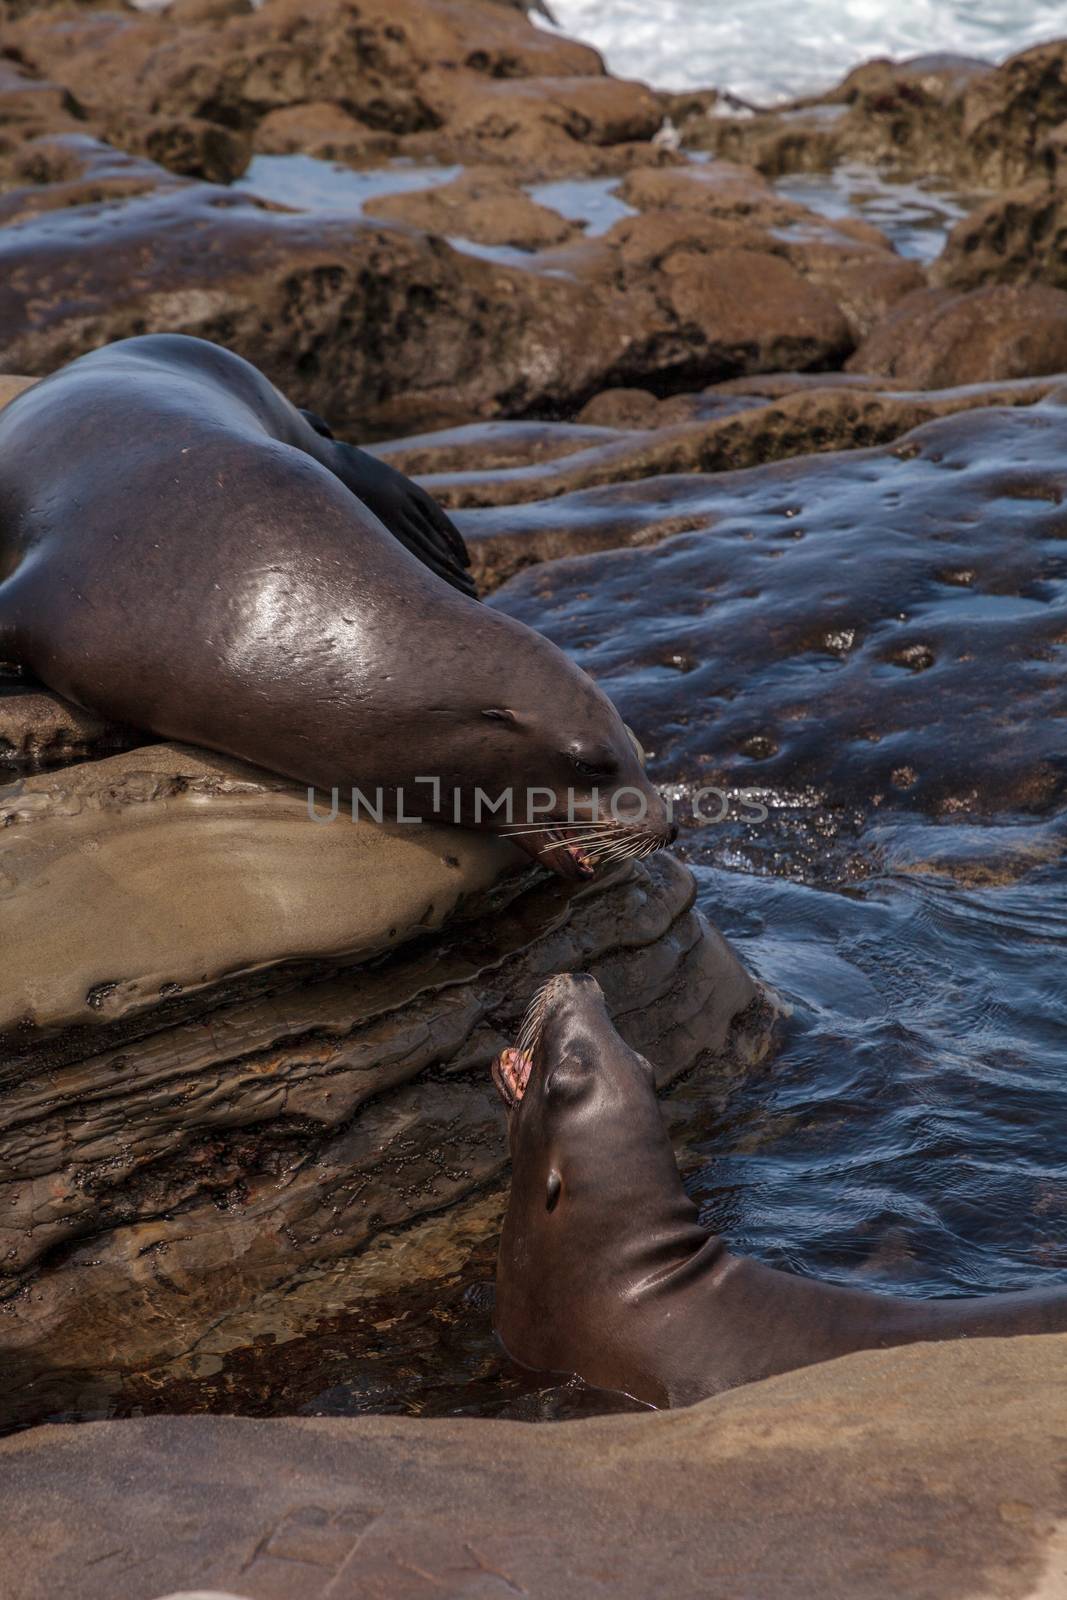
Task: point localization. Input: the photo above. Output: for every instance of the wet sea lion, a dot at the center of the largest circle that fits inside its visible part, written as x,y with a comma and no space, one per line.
182,551
604,1268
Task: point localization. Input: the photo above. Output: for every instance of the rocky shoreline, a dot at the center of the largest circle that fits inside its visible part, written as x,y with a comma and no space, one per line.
656,393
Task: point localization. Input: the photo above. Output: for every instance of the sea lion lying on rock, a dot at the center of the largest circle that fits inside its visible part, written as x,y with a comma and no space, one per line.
604,1268
182,551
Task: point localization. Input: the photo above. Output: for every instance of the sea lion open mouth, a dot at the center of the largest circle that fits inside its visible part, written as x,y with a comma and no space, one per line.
578,849
512,1068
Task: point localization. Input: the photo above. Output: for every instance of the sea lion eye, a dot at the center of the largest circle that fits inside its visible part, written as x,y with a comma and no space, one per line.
569,1081
602,767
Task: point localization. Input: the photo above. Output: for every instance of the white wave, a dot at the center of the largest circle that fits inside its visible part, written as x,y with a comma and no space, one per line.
766,50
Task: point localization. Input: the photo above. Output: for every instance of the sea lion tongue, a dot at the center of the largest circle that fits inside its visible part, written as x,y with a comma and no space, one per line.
511,1073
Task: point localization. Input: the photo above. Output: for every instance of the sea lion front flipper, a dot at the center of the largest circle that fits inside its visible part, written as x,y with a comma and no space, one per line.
410,514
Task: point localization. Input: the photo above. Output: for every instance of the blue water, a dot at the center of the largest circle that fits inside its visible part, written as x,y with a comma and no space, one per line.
910,1136
767,50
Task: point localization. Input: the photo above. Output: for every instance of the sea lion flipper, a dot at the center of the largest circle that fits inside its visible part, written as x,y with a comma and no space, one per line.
313,420
411,514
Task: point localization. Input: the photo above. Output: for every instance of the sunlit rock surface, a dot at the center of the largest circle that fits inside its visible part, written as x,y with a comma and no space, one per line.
926,1471
209,1086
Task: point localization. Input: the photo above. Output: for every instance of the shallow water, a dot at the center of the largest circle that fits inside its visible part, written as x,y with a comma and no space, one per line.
329,189
916,216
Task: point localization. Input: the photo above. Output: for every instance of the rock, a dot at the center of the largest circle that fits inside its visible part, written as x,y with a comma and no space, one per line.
879,626
58,171
397,68
1008,113
543,124
482,206
37,728
429,335
324,130
723,431
193,148
954,116
670,298
10,386
1020,237
174,869
927,1470
937,339
252,1045
192,13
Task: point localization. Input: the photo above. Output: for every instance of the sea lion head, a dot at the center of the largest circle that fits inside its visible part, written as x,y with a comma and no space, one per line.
597,1206
533,746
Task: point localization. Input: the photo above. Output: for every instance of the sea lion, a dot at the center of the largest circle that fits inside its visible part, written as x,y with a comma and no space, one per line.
182,551
604,1269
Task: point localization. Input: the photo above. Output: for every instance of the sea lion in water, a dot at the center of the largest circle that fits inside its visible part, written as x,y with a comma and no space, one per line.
182,551
604,1268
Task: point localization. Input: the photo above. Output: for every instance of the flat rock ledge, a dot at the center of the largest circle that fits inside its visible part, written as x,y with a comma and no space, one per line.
239,1045
931,1471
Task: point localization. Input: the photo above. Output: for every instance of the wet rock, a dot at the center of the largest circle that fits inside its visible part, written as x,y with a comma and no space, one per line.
875,626
1007,114
936,339
719,430
253,1043
482,205
228,1093
429,335
724,205
927,1470
1020,237
955,116
38,729
192,147
543,124
323,130
10,386
397,69
159,899
58,171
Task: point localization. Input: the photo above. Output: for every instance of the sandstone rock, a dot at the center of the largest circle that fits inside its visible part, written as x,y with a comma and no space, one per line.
923,1471
58,171
192,147
740,431
10,386
1020,237
395,67
1008,113
179,1156
320,128
482,206
173,869
429,335
538,122
37,727
936,339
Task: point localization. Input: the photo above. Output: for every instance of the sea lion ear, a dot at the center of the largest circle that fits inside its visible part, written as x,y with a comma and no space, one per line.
500,714
555,1184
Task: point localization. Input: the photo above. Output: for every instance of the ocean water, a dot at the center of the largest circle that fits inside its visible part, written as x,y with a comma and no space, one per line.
768,50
